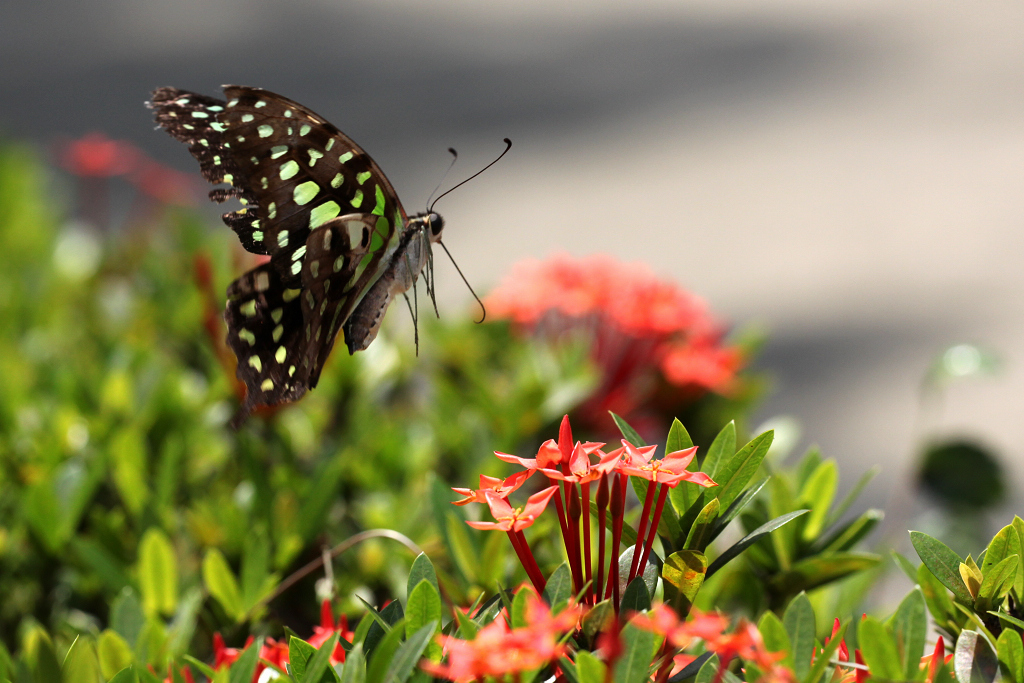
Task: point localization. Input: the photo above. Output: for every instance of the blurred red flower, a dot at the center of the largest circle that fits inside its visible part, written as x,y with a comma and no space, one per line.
646,334
515,519
97,156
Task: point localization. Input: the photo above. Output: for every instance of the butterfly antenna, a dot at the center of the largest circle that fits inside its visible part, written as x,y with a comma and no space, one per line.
455,157
430,207
483,309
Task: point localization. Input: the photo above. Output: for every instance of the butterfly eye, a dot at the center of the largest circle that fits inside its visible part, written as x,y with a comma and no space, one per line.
436,223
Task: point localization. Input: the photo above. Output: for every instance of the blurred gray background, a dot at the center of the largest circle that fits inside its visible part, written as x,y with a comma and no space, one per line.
847,175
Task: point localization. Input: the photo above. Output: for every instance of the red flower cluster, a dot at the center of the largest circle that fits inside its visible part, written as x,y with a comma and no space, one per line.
744,641
645,332
276,653
573,468
499,650
97,156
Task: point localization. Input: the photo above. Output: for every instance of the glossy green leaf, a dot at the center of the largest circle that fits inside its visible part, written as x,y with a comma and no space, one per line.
935,595
589,668
737,506
158,573
113,652
879,650
735,472
41,657
408,654
678,438
391,616
635,598
651,572
818,494
683,574
467,627
846,536
80,664
943,563
798,621
999,548
999,579
598,618
203,668
1018,582
221,584
245,666
700,532
382,656
628,433
423,607
637,652
838,511
354,668
318,667
423,568
299,653
750,539
906,565
518,613
973,659
776,639
1010,652
558,588
708,671
819,570
909,626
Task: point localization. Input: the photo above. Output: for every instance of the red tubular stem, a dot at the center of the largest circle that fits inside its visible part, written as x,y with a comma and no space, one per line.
526,558
602,506
658,509
585,505
618,510
641,528
573,514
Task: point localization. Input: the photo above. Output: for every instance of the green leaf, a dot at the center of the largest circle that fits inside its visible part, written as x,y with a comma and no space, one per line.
390,615
999,579
817,571
244,667
750,539
299,653
1010,652
628,433
736,508
818,494
126,675
256,580
722,449
735,473
708,672
943,563
221,584
1018,583
909,626
558,588
518,614
467,627
775,637
114,653
423,607
204,668
638,650
404,661
683,574
382,655
700,532
906,565
840,510
879,650
597,618
320,664
80,663
40,656
636,598
678,438
935,595
126,617
849,534
973,659
998,548
354,668
1008,619
799,623
158,573
589,668
423,568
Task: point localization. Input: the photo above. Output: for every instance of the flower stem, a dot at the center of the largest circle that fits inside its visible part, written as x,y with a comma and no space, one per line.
573,515
618,510
641,528
658,509
602,506
526,558
585,504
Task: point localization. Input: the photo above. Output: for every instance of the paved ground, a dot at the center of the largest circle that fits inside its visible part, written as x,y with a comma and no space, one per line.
847,174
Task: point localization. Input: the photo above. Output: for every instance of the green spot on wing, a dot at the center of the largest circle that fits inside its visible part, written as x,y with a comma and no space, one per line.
379,208
345,157
357,200
305,128
337,180
363,177
265,131
323,213
289,169
304,192
278,151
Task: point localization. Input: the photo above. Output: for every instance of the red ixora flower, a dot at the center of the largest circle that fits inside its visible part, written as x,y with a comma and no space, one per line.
652,341
515,519
97,156
670,470
499,650
500,488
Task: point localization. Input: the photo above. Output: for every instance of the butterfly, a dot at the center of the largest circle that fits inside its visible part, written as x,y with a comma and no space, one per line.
341,245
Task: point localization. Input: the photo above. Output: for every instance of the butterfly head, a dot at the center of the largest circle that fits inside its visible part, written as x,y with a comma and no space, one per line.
431,223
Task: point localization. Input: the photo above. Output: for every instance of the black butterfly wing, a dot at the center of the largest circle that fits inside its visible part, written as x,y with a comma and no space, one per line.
294,173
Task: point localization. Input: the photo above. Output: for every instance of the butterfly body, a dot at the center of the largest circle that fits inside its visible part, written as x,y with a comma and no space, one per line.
341,245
